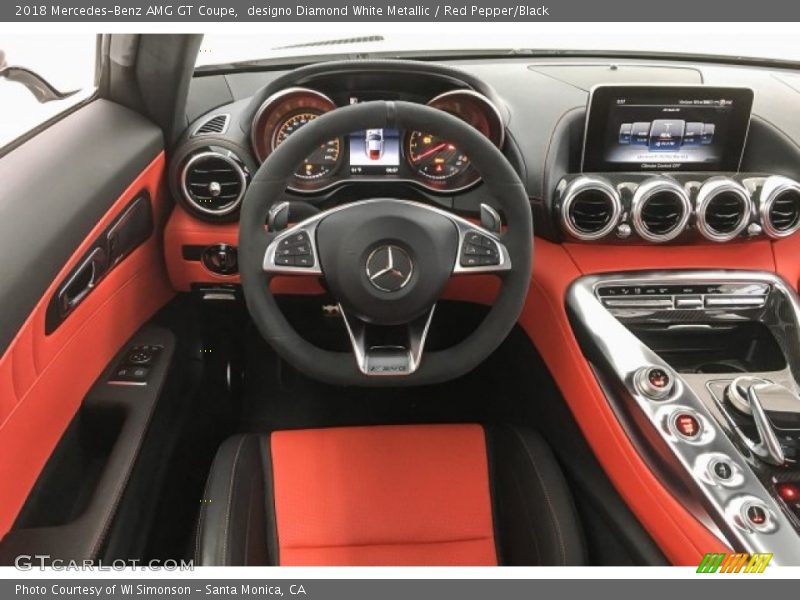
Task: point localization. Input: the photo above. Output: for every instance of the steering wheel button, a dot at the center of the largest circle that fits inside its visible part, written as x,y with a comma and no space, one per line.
473,237
303,261
470,261
293,240
285,261
488,260
471,250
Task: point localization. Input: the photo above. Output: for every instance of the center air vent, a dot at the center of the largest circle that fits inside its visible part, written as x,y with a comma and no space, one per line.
590,209
723,209
660,209
213,182
780,206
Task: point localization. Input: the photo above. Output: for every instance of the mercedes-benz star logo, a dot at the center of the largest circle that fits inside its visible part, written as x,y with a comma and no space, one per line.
389,268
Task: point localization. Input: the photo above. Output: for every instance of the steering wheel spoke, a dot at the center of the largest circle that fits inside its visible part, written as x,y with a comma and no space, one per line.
382,351
294,251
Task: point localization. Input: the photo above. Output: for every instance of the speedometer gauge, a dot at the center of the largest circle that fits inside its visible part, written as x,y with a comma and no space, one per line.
435,158
323,160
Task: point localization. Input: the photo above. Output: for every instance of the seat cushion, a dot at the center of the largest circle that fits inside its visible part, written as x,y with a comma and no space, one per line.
388,495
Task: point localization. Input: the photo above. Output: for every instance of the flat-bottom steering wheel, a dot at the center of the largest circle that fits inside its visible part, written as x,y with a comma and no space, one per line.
385,260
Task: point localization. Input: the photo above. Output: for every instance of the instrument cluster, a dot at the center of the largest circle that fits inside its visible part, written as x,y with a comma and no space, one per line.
415,157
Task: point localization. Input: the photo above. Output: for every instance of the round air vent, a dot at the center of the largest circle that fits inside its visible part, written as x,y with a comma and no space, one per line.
660,209
590,209
780,206
723,209
213,182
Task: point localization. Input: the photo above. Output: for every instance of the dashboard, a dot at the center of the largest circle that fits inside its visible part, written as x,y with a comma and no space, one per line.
636,153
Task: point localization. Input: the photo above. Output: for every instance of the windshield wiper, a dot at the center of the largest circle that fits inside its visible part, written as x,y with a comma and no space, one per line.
42,89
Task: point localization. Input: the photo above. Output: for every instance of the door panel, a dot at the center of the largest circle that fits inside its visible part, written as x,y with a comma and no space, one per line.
56,187
110,158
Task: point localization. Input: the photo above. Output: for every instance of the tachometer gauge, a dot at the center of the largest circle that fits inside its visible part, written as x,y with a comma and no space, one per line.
323,160
435,158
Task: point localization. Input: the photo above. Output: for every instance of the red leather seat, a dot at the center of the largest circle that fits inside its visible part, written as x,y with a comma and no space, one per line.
388,495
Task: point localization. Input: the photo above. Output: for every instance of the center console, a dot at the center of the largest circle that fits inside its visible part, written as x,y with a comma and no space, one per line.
701,368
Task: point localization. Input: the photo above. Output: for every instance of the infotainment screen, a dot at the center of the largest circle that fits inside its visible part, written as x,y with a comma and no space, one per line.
666,128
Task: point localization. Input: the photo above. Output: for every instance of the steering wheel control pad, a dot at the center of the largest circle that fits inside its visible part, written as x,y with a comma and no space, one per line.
387,261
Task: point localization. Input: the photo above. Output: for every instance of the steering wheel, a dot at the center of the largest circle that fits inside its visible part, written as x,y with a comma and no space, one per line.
385,260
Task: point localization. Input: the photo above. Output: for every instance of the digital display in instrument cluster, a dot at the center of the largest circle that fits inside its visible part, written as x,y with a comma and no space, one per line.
649,128
375,152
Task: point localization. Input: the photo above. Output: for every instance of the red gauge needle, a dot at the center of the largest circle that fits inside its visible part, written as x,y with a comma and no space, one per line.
433,150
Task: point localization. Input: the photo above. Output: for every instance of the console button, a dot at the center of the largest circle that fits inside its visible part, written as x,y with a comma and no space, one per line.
723,470
756,515
687,425
689,302
654,382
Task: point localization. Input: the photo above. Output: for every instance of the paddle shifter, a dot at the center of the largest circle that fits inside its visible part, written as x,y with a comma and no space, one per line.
772,406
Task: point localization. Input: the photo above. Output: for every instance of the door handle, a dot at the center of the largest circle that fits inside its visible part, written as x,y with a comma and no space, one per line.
82,281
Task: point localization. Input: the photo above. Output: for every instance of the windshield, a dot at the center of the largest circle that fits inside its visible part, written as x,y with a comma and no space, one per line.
776,42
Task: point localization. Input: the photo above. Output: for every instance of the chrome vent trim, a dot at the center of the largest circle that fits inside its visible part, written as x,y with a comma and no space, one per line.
231,182
576,192
724,209
215,124
779,205
659,189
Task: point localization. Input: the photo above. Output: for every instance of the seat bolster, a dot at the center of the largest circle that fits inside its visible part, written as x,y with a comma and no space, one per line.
536,522
233,527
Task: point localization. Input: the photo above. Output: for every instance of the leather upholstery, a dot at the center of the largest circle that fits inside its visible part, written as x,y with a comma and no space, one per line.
388,495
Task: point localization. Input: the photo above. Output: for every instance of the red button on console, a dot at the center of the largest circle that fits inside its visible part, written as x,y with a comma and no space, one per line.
687,425
789,492
757,515
658,378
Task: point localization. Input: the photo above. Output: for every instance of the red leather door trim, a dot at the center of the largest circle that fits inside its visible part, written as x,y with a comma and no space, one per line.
43,379
391,495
